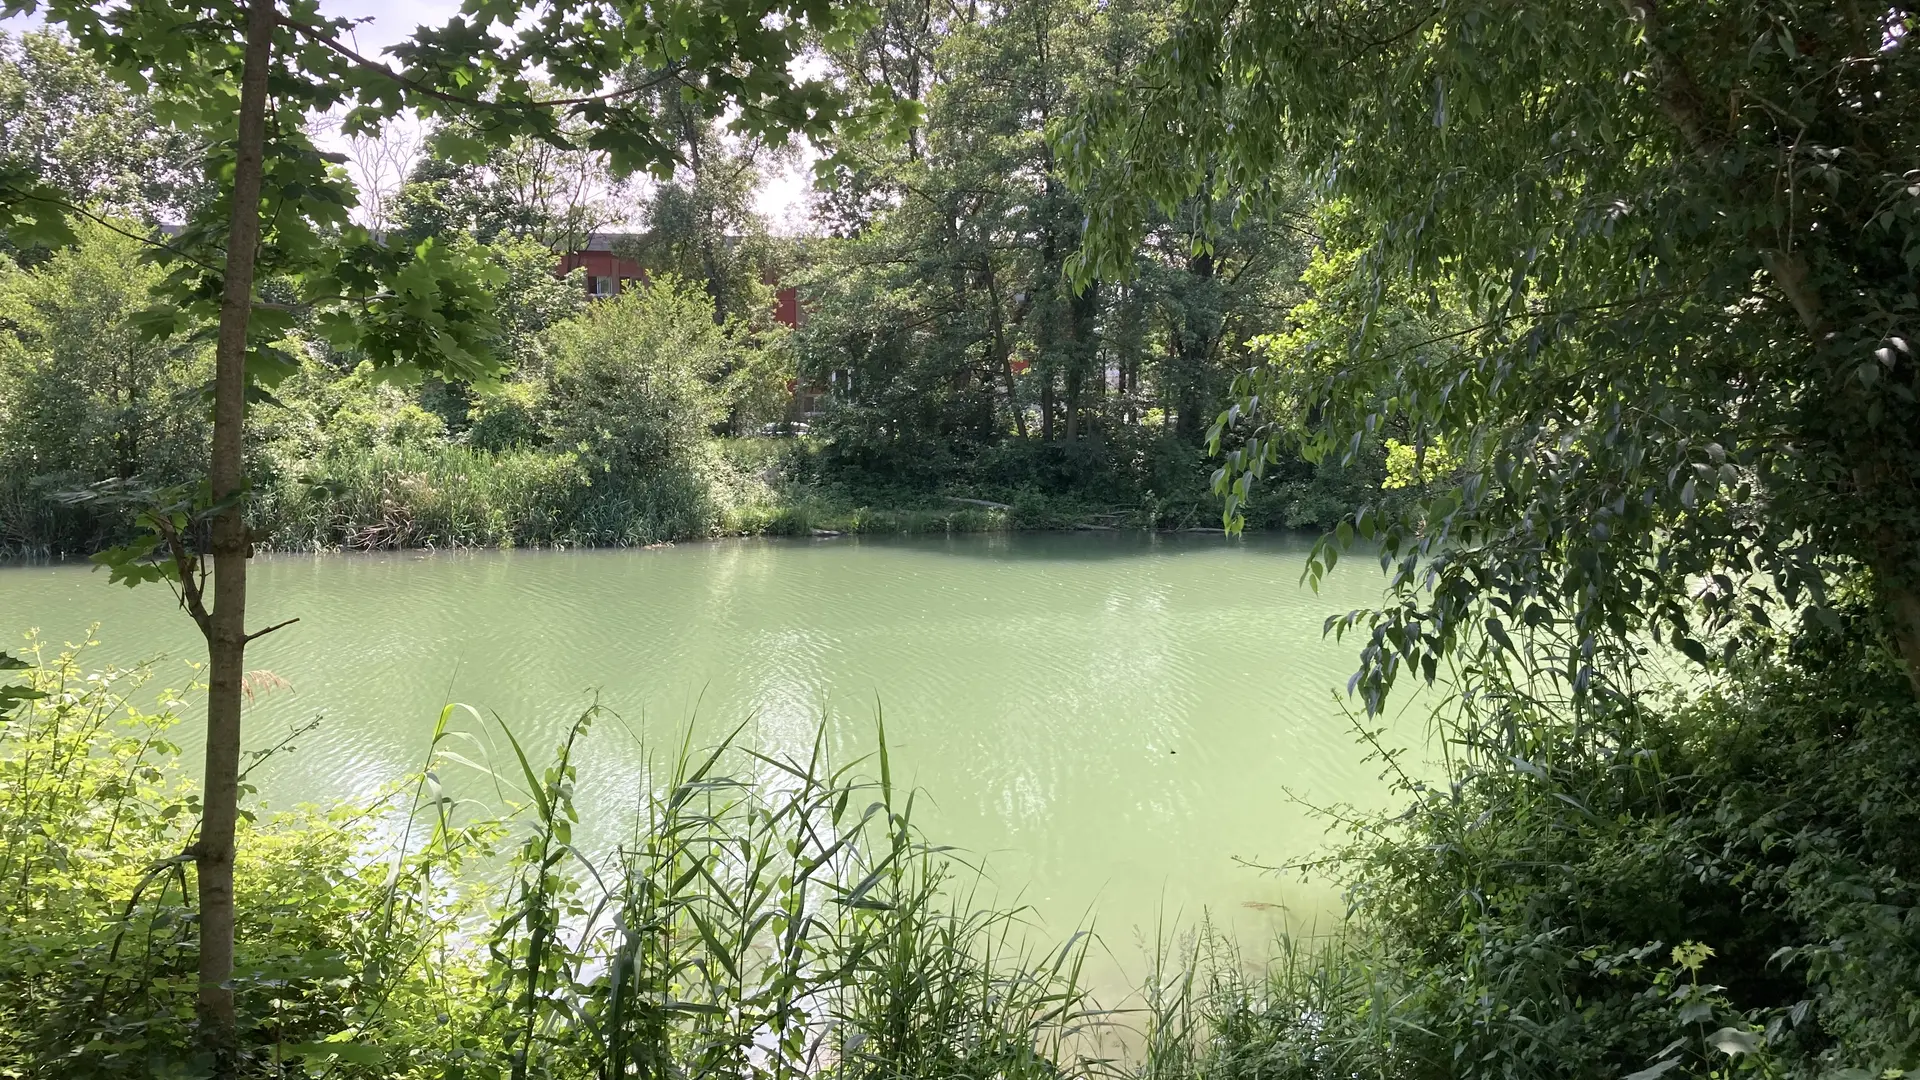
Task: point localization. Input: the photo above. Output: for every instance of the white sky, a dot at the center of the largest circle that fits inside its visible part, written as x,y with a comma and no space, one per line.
782,197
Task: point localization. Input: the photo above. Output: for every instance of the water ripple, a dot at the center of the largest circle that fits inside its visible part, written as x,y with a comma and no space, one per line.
1107,718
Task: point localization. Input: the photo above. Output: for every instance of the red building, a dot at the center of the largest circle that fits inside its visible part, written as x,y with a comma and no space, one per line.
607,274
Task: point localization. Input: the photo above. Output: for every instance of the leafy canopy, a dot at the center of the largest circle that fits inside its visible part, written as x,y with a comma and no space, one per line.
571,76
1670,252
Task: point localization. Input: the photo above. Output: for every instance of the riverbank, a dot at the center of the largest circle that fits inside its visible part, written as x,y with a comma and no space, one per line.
451,496
440,494
1705,889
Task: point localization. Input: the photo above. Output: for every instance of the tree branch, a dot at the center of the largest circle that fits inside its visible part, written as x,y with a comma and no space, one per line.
271,629
321,36
188,567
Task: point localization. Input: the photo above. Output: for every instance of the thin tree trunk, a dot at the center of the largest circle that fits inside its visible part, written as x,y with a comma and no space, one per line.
1082,310
1194,341
1903,604
1073,380
1004,351
226,625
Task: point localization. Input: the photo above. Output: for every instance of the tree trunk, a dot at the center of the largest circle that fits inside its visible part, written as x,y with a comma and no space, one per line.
1083,309
1194,342
1003,349
1903,604
127,439
1896,579
1073,406
226,625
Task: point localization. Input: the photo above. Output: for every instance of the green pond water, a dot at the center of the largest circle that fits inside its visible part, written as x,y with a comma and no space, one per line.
1118,725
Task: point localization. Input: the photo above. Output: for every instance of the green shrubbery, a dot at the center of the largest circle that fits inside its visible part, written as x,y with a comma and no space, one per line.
1726,885
84,397
767,917
605,440
604,432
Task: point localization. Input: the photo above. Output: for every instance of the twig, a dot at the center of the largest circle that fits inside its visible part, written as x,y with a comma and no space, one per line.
270,629
187,566
260,756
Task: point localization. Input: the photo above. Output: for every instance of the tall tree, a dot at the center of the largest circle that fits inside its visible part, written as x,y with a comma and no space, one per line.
943,296
244,76
701,224
557,193
1686,240
83,395
66,123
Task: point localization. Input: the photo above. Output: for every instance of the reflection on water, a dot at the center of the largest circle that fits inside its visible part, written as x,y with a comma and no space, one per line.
1114,721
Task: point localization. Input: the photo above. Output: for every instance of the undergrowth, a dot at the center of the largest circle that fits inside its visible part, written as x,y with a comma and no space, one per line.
1713,883
766,917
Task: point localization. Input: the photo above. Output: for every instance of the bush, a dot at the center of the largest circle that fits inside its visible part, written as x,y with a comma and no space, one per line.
633,378
97,958
1729,884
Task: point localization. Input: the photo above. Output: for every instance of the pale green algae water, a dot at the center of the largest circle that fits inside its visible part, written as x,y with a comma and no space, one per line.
1117,724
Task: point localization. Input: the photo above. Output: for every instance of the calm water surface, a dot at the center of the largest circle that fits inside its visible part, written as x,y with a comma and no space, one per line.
1118,724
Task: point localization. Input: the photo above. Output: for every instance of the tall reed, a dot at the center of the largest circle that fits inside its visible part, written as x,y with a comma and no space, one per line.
768,916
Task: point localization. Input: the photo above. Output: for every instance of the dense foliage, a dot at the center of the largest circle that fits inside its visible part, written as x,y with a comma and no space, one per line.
947,359
939,317
602,435
84,397
1595,326
1629,294
1719,884
1680,245
69,124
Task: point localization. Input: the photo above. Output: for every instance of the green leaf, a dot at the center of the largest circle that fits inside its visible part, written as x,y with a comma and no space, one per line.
349,1052
1694,651
129,563
159,321
1498,632
1729,1040
11,696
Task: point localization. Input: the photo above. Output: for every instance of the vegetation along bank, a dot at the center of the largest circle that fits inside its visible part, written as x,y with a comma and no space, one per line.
945,380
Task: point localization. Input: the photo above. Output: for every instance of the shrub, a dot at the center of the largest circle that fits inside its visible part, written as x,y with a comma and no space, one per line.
632,383
1726,884
84,396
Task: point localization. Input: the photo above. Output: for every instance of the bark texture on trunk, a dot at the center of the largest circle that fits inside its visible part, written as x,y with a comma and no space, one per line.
226,624
1903,605
1878,479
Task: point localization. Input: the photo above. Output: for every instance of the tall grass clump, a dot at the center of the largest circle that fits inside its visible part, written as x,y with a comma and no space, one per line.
763,916
449,495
